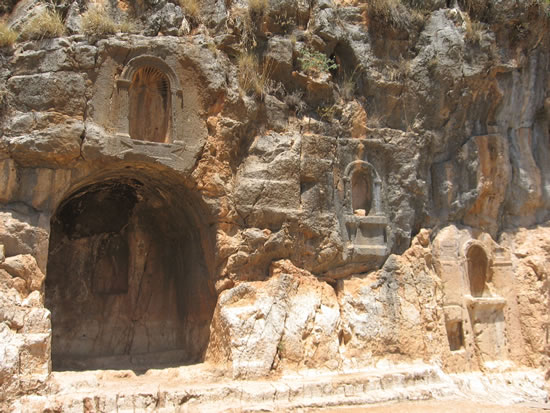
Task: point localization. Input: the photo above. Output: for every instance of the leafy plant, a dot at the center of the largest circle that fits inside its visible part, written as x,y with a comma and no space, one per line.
46,24
314,62
7,35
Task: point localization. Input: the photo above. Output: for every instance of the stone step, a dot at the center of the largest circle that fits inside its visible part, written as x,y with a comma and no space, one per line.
196,389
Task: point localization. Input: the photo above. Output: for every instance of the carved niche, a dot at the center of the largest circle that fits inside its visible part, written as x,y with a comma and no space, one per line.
363,215
149,96
485,307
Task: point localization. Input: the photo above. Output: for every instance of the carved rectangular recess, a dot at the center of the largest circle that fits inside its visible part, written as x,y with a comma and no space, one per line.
455,334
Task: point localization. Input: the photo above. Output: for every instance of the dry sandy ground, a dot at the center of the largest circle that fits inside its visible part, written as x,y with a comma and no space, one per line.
437,406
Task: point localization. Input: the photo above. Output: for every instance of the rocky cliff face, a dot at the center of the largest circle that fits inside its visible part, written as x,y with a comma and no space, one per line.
273,185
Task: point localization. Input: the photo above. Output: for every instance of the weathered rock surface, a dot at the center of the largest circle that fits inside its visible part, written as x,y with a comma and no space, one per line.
192,389
298,185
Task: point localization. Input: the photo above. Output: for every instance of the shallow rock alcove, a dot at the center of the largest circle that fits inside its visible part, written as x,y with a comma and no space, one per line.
361,191
477,270
127,283
150,105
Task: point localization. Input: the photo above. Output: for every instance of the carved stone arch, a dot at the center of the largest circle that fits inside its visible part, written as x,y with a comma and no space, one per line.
151,61
477,265
363,188
150,100
365,222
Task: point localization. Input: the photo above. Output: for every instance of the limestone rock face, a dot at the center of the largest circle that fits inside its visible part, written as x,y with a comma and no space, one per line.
271,187
486,173
290,320
531,259
25,327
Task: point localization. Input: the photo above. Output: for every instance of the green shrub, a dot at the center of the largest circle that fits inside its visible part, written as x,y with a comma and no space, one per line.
313,62
7,36
46,24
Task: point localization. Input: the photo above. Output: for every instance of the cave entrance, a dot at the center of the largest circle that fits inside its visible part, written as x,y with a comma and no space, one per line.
127,284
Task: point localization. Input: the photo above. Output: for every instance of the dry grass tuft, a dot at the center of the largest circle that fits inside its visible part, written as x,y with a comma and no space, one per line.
7,36
253,77
242,20
97,22
127,26
394,13
477,9
474,31
257,7
3,95
46,24
191,8
248,72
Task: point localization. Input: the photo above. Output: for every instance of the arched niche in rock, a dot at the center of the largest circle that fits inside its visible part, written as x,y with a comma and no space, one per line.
363,187
128,283
365,222
478,268
361,191
150,100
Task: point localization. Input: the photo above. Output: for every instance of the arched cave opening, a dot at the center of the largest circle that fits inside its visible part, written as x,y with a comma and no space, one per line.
127,281
477,270
150,105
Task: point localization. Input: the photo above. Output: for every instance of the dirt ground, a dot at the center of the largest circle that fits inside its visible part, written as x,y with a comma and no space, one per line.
437,406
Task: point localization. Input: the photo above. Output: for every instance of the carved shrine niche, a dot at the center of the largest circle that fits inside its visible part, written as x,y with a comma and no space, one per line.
149,101
477,267
363,216
485,307
454,326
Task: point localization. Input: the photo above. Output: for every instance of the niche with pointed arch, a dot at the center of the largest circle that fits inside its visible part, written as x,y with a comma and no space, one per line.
127,279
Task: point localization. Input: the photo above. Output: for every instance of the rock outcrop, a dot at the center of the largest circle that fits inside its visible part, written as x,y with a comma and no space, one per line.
273,186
